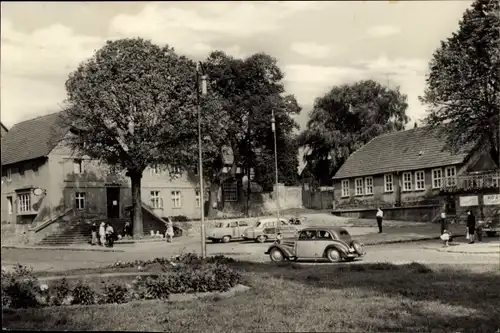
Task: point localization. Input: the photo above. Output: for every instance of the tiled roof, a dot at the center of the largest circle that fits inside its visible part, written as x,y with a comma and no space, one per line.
413,149
32,138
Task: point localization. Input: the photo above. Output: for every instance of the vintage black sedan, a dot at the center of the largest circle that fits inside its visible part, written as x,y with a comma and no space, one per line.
332,243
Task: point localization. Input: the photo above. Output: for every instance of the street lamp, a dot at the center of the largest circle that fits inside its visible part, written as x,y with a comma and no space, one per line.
201,92
273,127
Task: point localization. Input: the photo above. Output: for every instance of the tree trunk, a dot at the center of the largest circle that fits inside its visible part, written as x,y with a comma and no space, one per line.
137,223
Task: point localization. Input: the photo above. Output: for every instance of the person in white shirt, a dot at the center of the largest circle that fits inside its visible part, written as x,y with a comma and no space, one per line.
102,233
380,216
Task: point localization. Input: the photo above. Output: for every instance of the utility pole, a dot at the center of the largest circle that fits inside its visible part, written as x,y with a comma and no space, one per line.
203,92
273,127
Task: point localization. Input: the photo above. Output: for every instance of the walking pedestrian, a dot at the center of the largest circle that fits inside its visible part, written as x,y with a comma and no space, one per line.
471,226
127,230
169,234
102,234
93,231
443,222
380,216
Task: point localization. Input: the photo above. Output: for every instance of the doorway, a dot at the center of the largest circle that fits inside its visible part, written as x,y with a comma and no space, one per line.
113,202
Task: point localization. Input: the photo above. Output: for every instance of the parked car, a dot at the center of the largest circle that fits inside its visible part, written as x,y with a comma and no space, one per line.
227,231
268,228
332,243
490,227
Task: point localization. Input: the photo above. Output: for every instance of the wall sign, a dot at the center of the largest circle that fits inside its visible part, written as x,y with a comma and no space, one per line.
471,200
491,199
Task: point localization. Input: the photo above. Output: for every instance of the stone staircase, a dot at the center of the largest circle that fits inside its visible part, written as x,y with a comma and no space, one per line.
78,233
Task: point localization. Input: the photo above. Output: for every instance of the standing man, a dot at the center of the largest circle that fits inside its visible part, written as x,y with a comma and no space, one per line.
443,222
380,215
471,226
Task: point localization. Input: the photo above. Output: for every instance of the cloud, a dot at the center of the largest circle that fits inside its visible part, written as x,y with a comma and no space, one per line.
383,64
206,23
380,31
35,66
312,50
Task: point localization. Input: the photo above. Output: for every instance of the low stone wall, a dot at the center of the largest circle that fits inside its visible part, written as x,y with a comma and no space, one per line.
424,213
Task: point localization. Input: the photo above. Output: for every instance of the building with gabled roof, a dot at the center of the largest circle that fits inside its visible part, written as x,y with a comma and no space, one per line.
43,182
406,168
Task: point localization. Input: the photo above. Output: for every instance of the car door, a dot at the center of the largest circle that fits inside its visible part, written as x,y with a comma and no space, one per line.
306,244
324,238
234,229
241,228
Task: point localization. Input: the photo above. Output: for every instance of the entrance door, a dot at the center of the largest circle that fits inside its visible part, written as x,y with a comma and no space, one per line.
113,201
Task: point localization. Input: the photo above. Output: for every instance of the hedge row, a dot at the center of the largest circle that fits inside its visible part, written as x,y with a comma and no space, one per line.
21,289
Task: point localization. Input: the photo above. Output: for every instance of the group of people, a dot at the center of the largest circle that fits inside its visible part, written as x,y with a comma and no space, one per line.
470,232
104,235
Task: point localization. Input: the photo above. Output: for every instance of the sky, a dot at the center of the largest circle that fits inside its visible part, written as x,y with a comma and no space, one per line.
318,44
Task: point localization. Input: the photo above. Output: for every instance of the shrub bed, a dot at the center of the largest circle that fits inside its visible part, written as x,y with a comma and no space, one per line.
184,274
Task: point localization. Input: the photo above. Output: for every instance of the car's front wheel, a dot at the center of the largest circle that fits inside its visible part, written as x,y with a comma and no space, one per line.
333,255
261,239
226,239
276,255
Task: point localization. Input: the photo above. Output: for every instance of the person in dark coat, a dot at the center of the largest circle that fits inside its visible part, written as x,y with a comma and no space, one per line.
471,226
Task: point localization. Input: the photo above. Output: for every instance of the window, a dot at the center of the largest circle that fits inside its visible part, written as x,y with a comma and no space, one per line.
198,199
450,176
369,185
230,191
359,186
233,224
345,188
10,205
80,200
388,183
176,170
155,170
156,201
24,200
419,180
78,167
437,176
21,170
407,181
176,199
243,224
9,174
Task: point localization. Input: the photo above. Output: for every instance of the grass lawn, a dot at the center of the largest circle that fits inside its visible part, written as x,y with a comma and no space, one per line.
294,297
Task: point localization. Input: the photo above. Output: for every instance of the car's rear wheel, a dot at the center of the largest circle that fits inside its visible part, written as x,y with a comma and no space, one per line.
226,239
333,255
261,238
276,255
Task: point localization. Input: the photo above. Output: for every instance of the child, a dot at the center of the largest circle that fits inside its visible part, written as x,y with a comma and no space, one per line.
445,237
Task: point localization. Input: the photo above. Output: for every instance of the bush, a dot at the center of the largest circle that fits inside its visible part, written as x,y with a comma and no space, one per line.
20,288
61,290
83,294
179,218
187,273
115,293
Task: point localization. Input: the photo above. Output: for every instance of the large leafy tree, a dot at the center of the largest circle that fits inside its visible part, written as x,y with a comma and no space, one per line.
248,90
129,104
463,87
347,117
